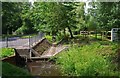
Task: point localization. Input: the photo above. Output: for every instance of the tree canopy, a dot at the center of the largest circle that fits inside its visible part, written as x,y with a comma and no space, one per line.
55,17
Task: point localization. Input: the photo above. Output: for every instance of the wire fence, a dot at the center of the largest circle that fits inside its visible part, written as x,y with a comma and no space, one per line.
16,41
35,39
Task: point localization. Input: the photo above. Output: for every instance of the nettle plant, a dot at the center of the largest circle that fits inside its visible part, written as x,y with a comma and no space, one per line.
86,61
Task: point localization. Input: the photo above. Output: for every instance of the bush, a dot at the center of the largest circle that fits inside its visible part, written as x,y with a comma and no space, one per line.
6,52
85,61
49,38
20,30
60,36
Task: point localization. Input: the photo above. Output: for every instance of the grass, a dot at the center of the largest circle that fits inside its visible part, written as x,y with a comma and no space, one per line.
5,52
94,59
11,71
21,36
27,36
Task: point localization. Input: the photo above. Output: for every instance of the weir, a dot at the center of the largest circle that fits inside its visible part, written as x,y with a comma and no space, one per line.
42,50
36,58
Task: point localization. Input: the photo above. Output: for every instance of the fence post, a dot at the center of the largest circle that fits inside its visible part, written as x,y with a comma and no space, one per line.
7,42
29,47
29,41
35,39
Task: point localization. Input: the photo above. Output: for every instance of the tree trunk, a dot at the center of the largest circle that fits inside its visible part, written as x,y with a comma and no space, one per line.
70,32
64,32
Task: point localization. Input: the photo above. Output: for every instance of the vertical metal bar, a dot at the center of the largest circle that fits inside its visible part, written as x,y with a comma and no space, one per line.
29,47
29,41
41,35
35,39
7,42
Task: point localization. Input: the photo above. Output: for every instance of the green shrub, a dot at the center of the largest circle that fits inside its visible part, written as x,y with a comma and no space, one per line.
85,61
61,36
49,38
6,52
21,30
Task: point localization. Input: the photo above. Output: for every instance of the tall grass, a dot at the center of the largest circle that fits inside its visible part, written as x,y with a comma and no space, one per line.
89,60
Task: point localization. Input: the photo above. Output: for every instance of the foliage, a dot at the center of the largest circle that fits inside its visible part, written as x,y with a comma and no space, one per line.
6,52
55,17
49,38
9,71
87,61
10,17
15,18
106,14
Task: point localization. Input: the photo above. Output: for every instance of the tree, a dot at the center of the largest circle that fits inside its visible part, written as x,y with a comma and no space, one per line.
15,18
27,24
107,14
10,17
80,17
54,16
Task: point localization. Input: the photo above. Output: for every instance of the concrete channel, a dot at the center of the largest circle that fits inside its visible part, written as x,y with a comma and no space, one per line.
38,64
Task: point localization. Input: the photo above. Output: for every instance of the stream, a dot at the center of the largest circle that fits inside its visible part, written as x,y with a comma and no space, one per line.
43,68
36,67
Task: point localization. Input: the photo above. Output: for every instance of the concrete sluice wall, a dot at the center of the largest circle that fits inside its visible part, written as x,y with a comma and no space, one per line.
42,46
39,49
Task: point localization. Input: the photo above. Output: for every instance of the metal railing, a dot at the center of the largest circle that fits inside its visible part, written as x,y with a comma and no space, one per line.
13,42
35,39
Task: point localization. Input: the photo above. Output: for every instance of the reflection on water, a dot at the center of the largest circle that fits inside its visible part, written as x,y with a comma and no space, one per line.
42,68
36,68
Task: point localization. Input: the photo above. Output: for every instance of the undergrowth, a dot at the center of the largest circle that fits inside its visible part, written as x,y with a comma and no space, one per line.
94,59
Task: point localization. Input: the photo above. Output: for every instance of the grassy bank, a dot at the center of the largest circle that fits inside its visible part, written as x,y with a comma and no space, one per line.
93,59
11,71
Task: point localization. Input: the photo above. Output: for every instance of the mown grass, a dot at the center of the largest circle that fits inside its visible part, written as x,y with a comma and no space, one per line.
94,59
28,36
5,52
11,71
